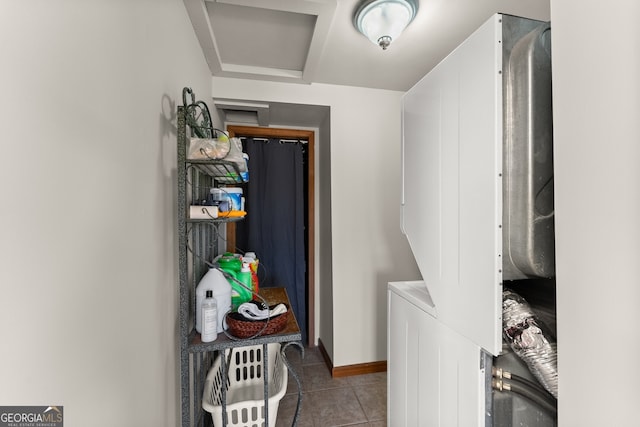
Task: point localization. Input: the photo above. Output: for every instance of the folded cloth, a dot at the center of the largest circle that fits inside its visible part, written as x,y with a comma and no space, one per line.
257,310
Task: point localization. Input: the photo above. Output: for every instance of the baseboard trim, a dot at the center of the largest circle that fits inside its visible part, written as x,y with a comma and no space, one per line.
349,370
325,355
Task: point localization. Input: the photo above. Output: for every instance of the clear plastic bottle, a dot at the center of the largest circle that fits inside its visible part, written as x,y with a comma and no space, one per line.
209,318
213,281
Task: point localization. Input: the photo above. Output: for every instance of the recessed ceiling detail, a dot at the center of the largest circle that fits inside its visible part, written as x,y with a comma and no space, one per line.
315,41
278,40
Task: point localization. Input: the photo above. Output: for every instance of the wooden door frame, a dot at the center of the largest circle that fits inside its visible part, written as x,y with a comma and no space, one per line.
308,135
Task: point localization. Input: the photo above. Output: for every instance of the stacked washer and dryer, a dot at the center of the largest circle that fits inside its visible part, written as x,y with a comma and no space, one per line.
473,343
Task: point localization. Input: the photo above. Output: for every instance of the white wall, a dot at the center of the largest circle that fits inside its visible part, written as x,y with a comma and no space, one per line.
596,78
368,249
88,294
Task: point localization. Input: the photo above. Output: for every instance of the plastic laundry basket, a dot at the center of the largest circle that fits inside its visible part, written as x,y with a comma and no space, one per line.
245,392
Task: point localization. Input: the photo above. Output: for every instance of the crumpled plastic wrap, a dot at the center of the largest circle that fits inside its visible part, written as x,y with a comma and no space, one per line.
208,148
526,337
236,155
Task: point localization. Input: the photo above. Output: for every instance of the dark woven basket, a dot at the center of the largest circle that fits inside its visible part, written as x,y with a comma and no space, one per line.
239,327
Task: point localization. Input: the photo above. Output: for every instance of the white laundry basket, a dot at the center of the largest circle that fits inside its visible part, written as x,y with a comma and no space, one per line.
245,393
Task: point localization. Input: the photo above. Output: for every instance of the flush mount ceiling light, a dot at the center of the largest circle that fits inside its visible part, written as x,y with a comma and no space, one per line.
382,21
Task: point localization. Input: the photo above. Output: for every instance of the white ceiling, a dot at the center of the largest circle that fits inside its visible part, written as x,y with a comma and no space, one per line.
314,41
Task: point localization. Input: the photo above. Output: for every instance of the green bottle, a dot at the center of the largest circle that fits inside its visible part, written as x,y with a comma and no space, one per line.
241,293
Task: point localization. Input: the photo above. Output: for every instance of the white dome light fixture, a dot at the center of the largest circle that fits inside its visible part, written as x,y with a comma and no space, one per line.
382,21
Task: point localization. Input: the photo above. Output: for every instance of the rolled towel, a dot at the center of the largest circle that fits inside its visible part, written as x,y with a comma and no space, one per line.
256,310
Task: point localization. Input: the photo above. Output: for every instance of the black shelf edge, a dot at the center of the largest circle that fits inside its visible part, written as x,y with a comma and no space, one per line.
219,220
223,342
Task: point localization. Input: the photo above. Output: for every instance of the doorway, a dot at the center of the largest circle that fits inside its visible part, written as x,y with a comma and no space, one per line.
290,136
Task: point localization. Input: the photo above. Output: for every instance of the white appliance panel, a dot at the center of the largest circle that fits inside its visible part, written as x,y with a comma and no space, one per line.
435,378
452,189
421,221
411,363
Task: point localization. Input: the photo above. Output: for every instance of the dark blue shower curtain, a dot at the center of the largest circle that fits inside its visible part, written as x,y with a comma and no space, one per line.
274,227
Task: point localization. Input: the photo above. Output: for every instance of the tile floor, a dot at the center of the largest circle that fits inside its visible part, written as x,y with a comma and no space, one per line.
358,401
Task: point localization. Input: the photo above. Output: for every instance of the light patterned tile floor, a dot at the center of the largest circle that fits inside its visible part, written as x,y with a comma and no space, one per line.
358,401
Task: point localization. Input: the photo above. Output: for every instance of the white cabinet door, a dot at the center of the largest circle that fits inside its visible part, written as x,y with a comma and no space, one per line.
434,374
452,189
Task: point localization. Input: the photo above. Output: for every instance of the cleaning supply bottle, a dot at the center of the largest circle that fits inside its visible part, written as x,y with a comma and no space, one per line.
209,318
251,258
229,262
243,291
215,282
